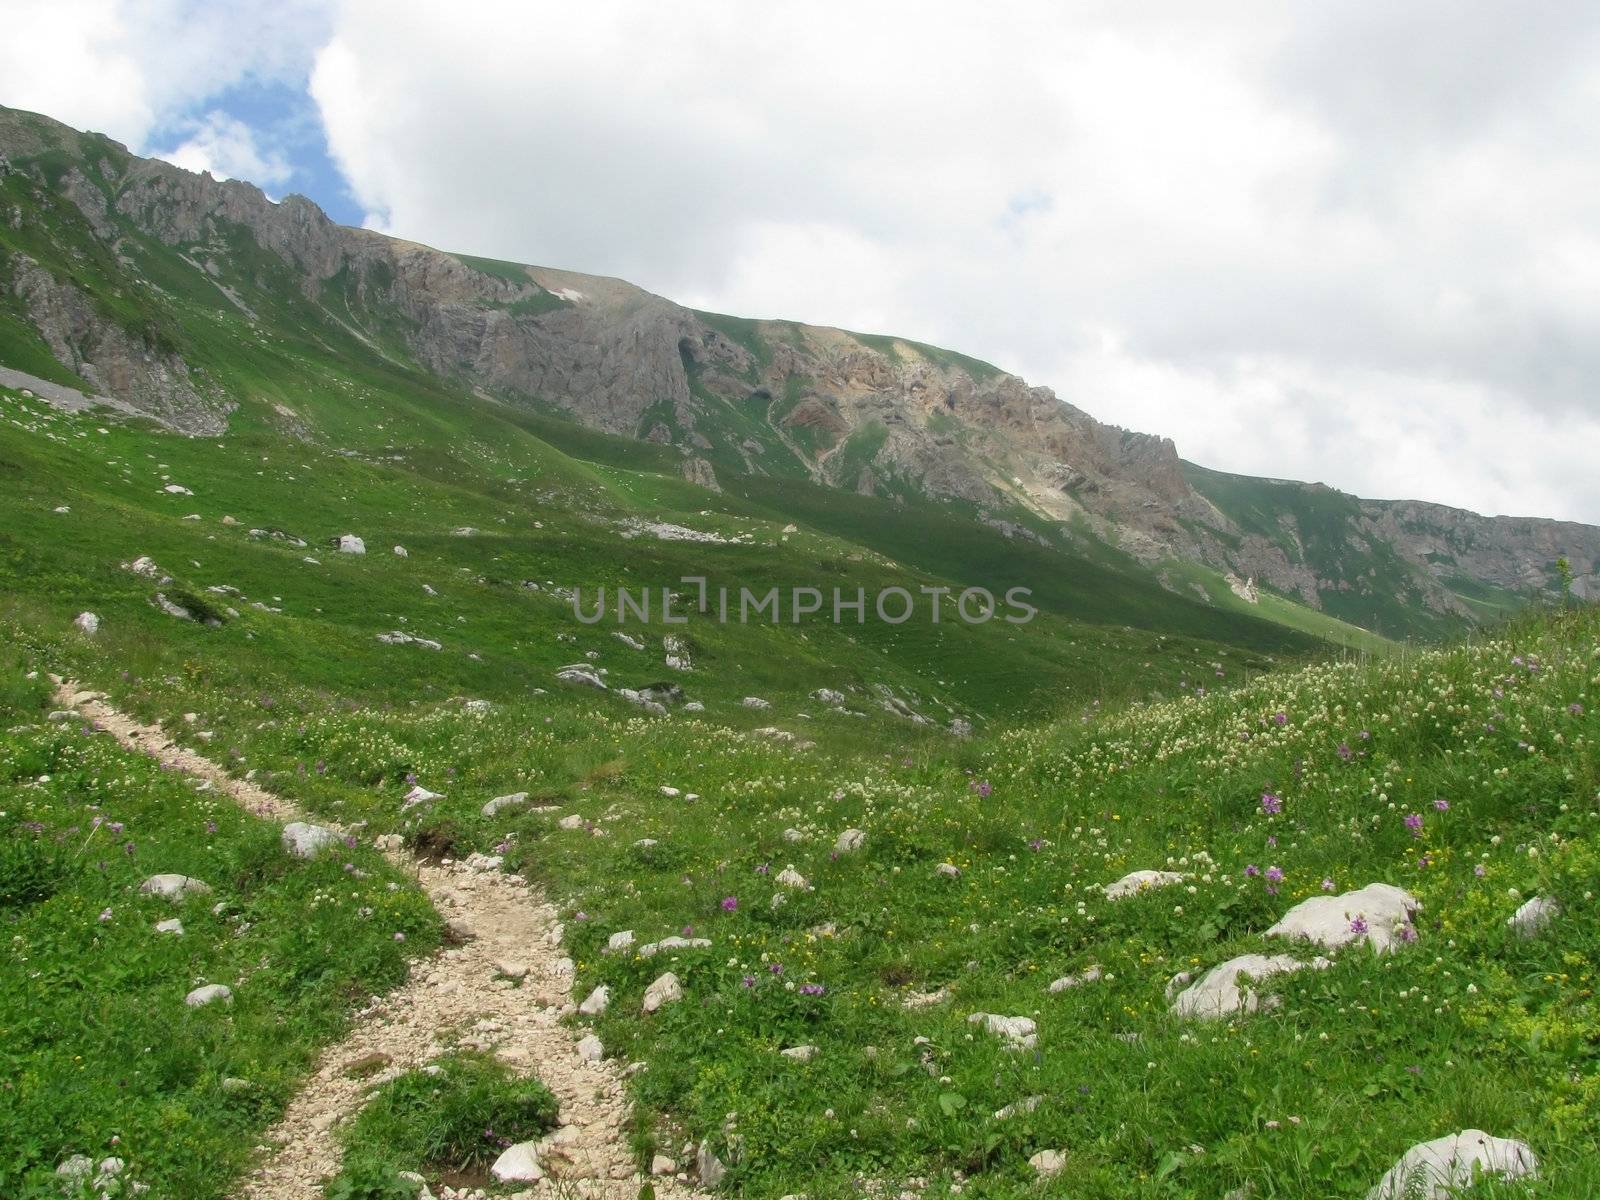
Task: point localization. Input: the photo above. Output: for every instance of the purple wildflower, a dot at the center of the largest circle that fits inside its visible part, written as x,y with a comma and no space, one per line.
105,914
981,787
1480,870
1274,874
1328,885
1407,932
1441,804
1358,925
748,981
1345,752
1280,718
1575,709
776,968
812,989
1251,870
1270,804
399,937
730,903
1414,824
764,869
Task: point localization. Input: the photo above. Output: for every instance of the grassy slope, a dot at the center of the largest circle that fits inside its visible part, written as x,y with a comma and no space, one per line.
1469,1028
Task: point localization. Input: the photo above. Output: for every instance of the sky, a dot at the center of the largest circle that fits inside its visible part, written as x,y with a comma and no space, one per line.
1357,243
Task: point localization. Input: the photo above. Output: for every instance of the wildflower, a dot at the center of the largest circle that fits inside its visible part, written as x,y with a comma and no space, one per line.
1328,885
1480,870
776,968
981,787
1358,925
1270,804
1274,874
1407,932
1441,805
764,869
748,981
812,989
1251,870
1414,824
211,826
399,937
1280,718
688,931
1035,843
1575,709
1345,752
105,914
730,903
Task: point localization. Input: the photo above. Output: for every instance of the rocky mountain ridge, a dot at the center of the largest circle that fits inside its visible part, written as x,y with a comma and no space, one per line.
86,225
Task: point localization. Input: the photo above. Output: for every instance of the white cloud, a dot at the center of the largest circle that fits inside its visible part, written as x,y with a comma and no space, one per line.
227,148
1353,242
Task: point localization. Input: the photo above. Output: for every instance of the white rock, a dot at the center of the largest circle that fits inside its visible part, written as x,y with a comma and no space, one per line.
304,840
511,969
176,489
596,1002
170,925
581,673
76,1169
627,639
1225,990
209,994
710,1167
850,841
790,878
1068,982
349,543
1330,921
947,871
670,792
755,702
618,941
662,1165
590,1049
800,1053
174,887
87,622
419,795
1534,916
1019,1108
694,706
143,565
665,990
518,1164
502,802
915,1000
571,821
1020,1032
1048,1162
1435,1170
827,696
651,949
400,552
1135,882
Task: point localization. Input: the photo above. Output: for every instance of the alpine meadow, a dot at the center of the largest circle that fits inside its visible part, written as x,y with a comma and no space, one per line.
472,729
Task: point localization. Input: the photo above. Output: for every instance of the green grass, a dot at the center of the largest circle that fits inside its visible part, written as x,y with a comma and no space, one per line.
450,1118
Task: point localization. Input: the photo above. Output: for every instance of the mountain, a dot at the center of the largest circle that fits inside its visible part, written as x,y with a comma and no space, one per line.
207,307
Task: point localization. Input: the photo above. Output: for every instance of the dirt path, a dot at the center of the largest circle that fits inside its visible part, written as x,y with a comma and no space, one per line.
458,997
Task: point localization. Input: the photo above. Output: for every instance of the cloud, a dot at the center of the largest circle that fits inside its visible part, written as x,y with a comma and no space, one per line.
227,148
1353,242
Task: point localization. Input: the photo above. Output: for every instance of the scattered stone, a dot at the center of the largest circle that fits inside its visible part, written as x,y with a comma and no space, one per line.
916,1000
793,836
1224,990
177,489
399,637
850,841
619,941
400,552
170,925
1533,917
660,1165
590,1049
597,1002
349,543
665,990
519,1164
827,696
694,706
304,840
651,949
210,994
800,1053
571,821
710,1167
960,728
1436,1170
419,795
1019,1108
677,651
512,970
947,871
1020,1032
628,640
500,803
755,702
790,878
1068,982
1379,913
87,622
175,888
171,609
1048,1162
1140,881
581,673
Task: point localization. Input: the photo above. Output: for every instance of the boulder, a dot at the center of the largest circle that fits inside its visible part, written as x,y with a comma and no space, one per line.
1135,882
1067,982
1533,917
170,925
665,990
210,994
349,543
651,949
1225,990
1020,1032
304,840
581,673
590,1049
596,1002
827,696
850,841
513,800
518,1164
1379,913
400,552
1048,1162
800,1053
1436,1170
419,795
175,888
755,702
87,622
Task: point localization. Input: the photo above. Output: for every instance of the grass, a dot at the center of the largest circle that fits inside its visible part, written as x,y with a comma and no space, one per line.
450,1118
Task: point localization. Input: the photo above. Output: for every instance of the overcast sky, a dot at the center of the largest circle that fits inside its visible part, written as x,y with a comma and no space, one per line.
1350,242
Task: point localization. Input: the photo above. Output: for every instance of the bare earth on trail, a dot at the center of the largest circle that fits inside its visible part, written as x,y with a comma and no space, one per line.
461,997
